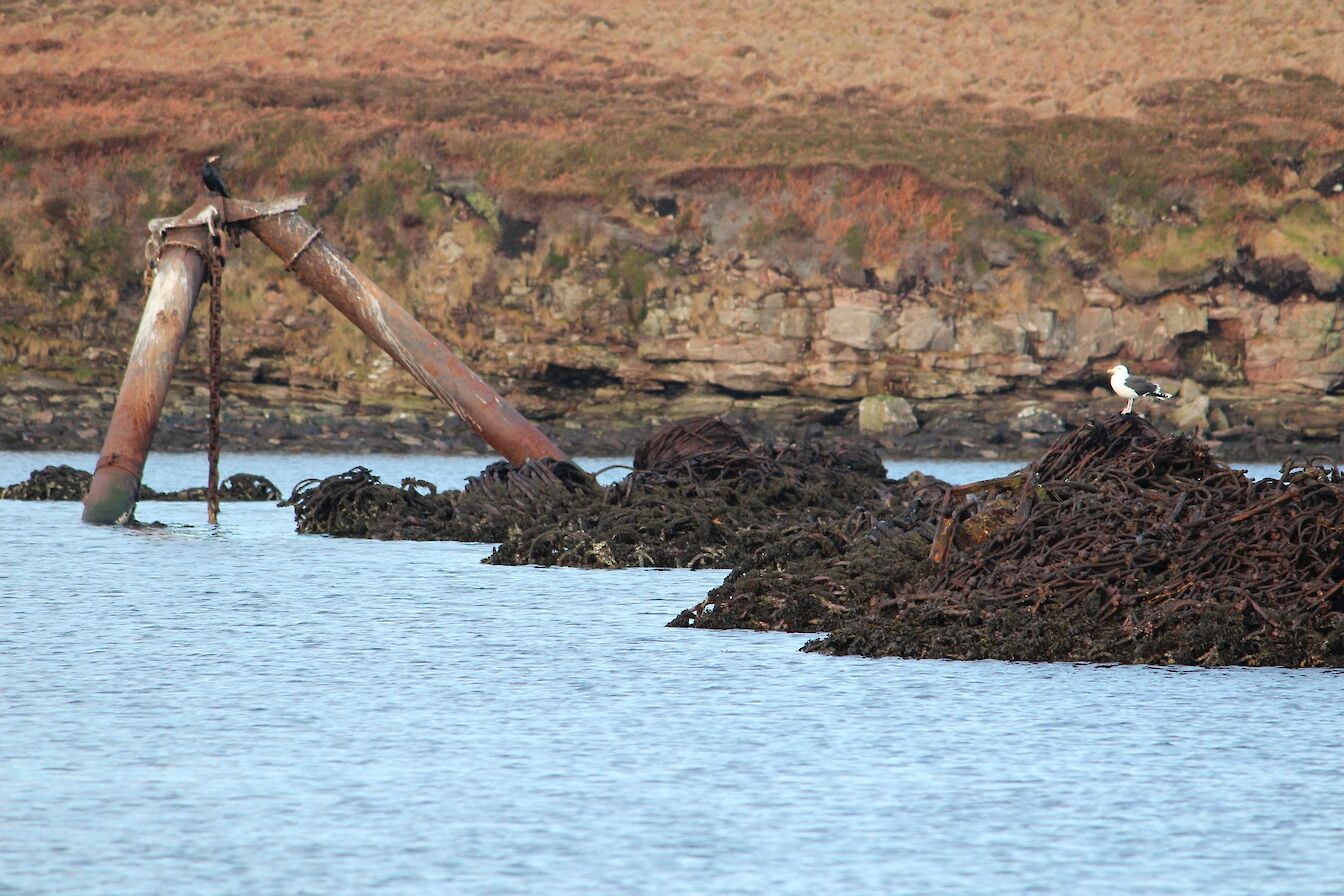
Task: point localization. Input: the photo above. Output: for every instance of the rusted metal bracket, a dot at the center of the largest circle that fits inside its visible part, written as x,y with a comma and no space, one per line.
954,509
289,265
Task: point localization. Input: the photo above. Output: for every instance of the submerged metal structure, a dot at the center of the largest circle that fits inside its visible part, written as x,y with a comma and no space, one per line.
184,249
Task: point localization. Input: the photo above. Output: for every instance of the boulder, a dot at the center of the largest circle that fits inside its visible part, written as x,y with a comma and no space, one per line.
887,415
1037,419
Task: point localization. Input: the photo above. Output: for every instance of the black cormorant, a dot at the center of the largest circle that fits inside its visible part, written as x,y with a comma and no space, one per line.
210,174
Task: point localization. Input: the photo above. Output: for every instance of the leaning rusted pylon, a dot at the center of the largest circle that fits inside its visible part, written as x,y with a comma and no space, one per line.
320,266
183,244
163,329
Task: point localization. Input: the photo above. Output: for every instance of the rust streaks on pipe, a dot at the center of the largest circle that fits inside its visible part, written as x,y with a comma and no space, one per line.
163,329
323,268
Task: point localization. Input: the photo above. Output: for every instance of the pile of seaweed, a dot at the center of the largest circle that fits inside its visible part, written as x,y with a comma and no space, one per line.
815,575
238,487
1124,545
51,483
62,482
698,496
503,497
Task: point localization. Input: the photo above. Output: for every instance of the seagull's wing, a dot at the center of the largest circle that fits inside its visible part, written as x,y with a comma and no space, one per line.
1141,385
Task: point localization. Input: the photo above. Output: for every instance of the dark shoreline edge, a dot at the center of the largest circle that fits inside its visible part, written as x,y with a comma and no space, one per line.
42,413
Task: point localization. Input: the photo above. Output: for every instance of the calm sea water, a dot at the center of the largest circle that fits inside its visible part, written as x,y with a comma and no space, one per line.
241,709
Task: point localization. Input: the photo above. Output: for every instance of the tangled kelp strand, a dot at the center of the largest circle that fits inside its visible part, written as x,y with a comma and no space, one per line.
1124,545
673,445
355,504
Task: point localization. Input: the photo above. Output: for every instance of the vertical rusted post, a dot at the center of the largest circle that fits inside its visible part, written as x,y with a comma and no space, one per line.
163,329
320,266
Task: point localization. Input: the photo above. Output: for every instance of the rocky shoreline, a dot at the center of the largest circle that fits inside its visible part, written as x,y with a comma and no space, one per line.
45,413
602,338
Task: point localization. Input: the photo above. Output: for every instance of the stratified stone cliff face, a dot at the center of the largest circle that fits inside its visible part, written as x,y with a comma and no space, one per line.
662,315
738,323
629,320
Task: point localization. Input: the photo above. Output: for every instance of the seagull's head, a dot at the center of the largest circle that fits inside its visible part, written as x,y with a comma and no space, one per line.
212,160
1120,369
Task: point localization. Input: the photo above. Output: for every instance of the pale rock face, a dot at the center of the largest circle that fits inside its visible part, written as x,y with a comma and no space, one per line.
854,326
1141,334
750,376
1181,314
766,331
919,327
1034,418
1189,411
1095,333
887,415
449,250
1001,336
569,299
832,377
1304,350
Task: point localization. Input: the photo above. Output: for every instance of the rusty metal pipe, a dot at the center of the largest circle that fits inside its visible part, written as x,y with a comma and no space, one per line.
321,267
158,341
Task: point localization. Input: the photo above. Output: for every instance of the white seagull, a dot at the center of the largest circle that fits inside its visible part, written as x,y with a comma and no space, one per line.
1132,387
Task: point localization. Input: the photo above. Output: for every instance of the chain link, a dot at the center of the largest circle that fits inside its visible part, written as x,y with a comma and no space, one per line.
216,262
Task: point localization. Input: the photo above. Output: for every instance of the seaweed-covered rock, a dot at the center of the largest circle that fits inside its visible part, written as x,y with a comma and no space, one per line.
699,497
1129,546
813,576
238,487
66,483
503,498
713,508
51,483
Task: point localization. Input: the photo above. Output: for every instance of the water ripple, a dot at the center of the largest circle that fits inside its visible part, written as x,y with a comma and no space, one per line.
244,710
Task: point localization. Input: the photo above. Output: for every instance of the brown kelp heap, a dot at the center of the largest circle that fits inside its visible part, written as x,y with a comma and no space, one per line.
1124,545
814,575
502,498
62,482
708,503
55,482
699,496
